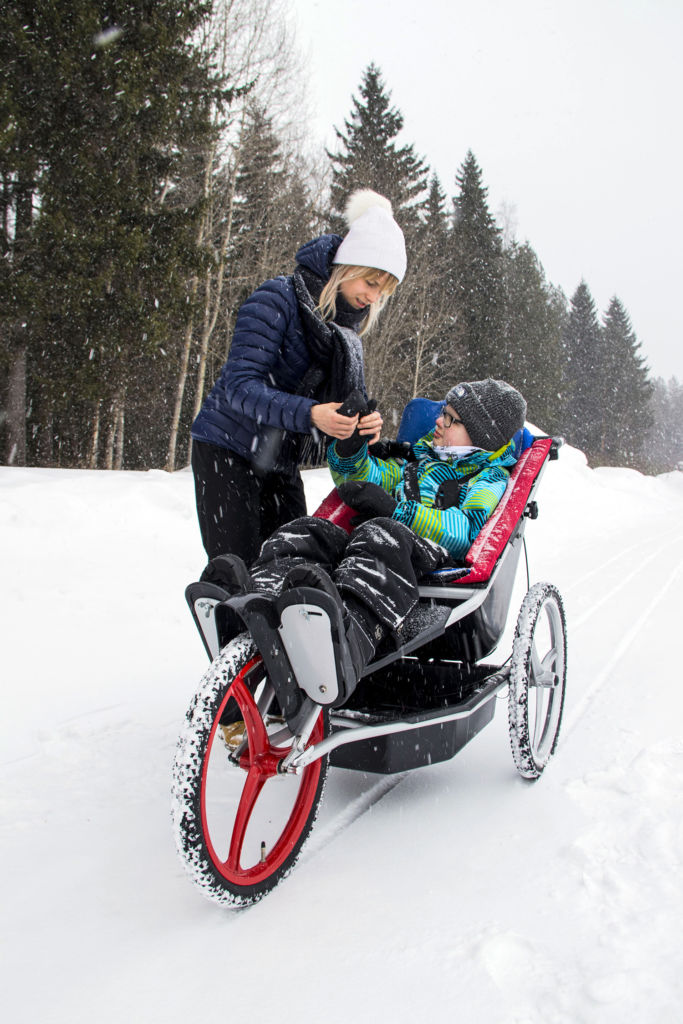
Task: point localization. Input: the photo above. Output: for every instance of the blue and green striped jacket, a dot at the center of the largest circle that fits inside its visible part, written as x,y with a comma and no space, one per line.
455,528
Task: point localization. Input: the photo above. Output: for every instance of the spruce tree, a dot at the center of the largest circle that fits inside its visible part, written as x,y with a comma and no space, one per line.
532,338
477,277
663,449
627,390
429,310
260,182
584,375
436,227
25,66
273,212
370,157
117,92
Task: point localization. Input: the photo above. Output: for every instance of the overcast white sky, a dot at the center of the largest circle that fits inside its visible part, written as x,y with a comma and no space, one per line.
572,109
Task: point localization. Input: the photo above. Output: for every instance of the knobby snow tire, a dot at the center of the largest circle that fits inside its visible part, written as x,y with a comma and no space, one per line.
244,794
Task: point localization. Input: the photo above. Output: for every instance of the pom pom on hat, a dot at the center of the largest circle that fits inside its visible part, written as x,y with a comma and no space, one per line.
374,238
360,201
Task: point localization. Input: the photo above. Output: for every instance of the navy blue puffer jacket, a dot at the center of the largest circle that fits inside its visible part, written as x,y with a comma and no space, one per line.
267,361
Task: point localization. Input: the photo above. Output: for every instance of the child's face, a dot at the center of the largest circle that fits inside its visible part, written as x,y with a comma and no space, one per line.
361,292
450,430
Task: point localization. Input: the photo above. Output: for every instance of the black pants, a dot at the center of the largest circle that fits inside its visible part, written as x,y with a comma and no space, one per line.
377,567
238,510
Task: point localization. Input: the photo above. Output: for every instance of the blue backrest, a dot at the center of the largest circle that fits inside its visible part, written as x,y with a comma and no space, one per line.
419,417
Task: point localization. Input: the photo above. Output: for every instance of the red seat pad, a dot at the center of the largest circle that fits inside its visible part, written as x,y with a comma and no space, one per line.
496,531
334,509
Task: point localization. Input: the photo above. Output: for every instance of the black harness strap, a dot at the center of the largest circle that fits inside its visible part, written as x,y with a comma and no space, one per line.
411,486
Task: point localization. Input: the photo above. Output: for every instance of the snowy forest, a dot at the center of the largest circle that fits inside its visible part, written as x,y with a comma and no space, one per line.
154,170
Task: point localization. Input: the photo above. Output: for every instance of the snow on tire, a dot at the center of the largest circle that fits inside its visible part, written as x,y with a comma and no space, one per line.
537,679
239,824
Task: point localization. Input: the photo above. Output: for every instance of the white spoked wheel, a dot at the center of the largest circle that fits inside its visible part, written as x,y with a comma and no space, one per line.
537,679
239,823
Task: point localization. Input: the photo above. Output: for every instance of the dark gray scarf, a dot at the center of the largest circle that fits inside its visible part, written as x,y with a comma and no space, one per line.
336,349
336,370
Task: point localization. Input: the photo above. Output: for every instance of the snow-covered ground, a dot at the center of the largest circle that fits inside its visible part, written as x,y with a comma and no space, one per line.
455,892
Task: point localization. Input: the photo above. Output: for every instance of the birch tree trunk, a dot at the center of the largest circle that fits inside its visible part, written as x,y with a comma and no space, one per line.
109,447
215,282
95,439
16,408
179,395
120,423
114,447
16,385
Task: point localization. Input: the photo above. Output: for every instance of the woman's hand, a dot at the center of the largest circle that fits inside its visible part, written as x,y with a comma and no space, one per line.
325,417
370,427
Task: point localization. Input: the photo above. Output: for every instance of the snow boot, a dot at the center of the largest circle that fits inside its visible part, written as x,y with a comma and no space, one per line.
308,574
230,572
354,639
225,576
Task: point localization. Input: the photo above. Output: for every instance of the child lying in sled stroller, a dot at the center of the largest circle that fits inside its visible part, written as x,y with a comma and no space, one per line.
414,515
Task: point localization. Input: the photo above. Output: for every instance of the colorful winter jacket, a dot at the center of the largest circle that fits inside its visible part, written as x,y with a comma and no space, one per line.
266,364
484,476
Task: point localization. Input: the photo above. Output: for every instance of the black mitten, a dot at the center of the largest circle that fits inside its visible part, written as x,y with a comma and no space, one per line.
354,405
368,499
448,494
391,450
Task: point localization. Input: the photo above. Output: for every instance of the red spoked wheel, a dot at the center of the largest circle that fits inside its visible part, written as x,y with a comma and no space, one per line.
240,823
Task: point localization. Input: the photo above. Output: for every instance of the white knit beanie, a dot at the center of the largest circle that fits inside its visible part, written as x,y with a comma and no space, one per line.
374,238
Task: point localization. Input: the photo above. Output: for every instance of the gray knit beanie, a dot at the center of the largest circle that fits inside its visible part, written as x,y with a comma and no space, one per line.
491,410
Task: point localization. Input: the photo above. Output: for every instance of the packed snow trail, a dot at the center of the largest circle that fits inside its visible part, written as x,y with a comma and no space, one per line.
456,891
350,812
633,632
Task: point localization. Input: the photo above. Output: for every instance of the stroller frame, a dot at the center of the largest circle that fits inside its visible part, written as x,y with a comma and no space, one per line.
418,702
480,612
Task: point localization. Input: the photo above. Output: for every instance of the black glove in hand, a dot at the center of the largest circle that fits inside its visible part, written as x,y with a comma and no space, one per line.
369,499
354,405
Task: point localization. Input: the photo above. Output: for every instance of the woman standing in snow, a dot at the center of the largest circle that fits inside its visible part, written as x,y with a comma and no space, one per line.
296,354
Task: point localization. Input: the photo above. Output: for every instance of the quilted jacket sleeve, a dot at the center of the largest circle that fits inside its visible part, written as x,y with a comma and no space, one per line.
386,473
268,346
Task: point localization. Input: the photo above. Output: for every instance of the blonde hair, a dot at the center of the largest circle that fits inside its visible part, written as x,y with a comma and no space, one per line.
327,306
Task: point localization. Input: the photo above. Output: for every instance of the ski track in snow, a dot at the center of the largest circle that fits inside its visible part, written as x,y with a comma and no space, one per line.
633,632
459,890
350,813
670,544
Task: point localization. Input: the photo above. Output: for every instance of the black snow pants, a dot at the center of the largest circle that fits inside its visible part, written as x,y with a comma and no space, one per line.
377,567
237,509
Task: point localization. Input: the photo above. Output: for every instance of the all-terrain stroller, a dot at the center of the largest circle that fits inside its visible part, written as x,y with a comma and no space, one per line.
251,765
